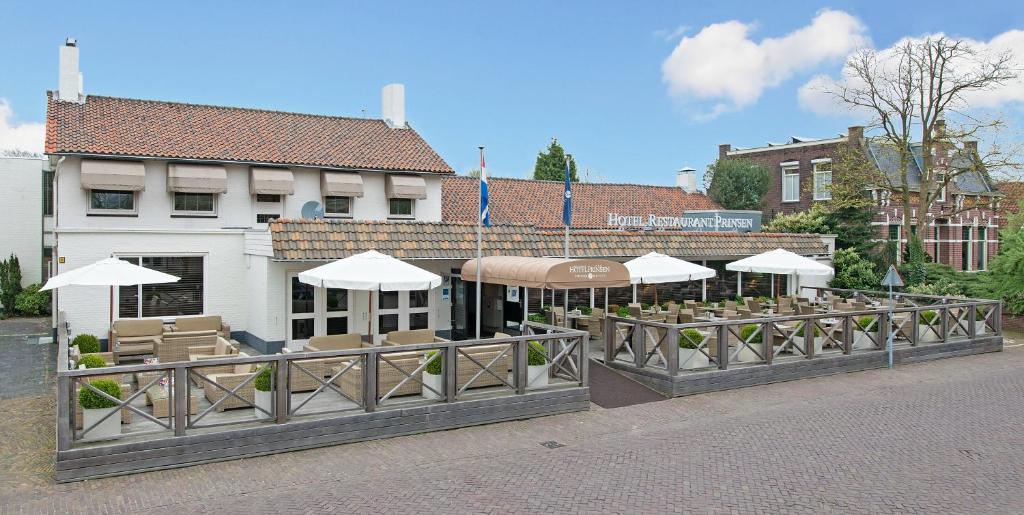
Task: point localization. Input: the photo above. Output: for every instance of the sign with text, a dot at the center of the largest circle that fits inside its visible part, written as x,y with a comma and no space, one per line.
703,221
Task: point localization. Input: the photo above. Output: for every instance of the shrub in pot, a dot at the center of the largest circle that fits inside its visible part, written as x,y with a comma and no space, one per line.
755,346
86,343
818,339
95,407
91,361
536,365
865,327
264,386
927,326
623,312
432,375
689,355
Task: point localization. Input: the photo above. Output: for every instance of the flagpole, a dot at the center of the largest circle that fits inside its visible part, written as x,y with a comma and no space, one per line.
567,218
479,240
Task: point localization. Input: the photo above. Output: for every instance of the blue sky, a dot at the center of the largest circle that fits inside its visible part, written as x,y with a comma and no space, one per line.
507,75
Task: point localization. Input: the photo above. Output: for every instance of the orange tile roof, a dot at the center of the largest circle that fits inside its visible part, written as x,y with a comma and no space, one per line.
1010,203
322,240
539,203
147,128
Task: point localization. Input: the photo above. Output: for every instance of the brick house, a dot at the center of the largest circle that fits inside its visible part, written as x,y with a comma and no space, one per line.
1013,195
801,172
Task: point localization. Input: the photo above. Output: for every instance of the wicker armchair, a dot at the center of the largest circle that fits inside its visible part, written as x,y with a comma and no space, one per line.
221,349
299,381
135,337
230,381
596,324
175,347
412,336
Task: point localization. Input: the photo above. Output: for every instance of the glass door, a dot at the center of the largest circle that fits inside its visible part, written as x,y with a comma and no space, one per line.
336,311
301,312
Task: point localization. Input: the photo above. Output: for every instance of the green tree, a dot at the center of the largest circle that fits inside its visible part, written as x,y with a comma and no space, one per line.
1005,278
853,271
550,165
737,183
811,221
10,284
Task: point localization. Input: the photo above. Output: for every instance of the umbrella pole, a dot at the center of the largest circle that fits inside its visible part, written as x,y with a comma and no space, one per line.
110,328
634,294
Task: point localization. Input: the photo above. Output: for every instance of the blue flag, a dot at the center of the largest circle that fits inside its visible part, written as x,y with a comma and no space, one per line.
485,209
567,205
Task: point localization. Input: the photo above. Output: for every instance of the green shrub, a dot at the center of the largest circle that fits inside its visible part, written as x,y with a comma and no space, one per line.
853,271
929,317
536,354
624,312
864,323
587,310
645,306
690,338
87,343
800,332
10,284
92,361
31,301
434,367
89,399
944,287
264,378
748,330
537,317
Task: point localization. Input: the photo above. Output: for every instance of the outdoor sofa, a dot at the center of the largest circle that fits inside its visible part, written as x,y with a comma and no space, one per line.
135,337
201,323
412,336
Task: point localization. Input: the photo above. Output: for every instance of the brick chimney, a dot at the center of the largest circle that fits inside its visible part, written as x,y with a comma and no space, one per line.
971,147
855,134
723,150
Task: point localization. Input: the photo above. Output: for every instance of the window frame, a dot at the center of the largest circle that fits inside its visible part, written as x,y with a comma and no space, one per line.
338,214
412,209
981,261
175,212
826,193
134,211
48,178
138,256
790,168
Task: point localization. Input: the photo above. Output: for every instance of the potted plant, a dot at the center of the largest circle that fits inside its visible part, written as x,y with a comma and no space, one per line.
754,343
690,356
864,325
95,407
623,312
536,365
86,343
91,361
432,375
818,339
264,385
927,328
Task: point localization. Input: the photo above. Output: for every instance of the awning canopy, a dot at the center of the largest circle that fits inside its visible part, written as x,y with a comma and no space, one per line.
406,186
779,261
373,271
107,174
195,178
553,273
341,184
655,268
271,181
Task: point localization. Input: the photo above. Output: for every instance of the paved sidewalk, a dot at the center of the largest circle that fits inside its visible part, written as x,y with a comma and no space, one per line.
942,436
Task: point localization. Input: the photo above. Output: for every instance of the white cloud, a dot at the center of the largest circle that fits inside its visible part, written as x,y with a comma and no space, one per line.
723,66
814,97
671,35
23,136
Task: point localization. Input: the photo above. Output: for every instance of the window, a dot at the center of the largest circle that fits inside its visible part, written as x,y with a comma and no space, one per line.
47,193
267,198
112,202
194,204
822,179
894,232
400,207
938,243
265,218
982,249
336,310
790,183
184,297
965,249
337,206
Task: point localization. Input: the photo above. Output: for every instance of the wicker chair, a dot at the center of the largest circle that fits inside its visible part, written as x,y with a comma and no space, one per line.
221,349
240,373
595,325
412,336
177,346
135,337
299,381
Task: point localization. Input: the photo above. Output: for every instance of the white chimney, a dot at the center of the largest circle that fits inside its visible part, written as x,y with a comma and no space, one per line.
393,105
70,86
686,178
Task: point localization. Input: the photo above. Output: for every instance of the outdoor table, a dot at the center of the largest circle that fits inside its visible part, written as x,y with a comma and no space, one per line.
158,396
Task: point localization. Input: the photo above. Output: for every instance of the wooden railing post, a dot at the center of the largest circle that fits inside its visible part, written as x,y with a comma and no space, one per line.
181,399
944,324
370,381
915,333
848,324
672,350
810,327
609,338
584,360
282,393
451,381
65,396
639,347
767,342
997,318
885,322
519,367
972,321
723,346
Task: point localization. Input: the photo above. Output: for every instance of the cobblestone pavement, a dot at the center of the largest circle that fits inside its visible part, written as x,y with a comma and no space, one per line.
943,436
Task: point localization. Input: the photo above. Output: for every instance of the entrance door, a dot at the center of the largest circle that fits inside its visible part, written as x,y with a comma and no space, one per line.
301,312
458,296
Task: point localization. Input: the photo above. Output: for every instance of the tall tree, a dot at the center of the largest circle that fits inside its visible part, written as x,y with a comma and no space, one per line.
909,92
550,165
737,183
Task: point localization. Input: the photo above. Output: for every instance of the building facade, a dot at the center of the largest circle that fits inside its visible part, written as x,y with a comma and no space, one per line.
28,232
963,238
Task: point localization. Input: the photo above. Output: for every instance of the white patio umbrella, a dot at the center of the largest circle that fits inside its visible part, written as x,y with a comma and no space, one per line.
780,261
109,272
371,271
655,268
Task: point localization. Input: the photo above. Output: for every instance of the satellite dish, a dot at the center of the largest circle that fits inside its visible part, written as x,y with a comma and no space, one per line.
312,210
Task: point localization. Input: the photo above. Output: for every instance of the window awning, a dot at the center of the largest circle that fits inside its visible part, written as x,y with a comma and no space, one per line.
103,174
552,273
341,184
271,181
193,178
406,186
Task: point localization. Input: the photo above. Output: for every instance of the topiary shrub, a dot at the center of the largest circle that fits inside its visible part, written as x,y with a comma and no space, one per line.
536,354
587,310
87,343
864,322
747,331
434,367
929,317
92,361
89,399
690,338
264,379
645,306
800,332
623,312
537,317
33,302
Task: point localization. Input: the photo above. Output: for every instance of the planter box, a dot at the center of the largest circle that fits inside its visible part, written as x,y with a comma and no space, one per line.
109,429
433,381
747,355
536,376
692,358
264,400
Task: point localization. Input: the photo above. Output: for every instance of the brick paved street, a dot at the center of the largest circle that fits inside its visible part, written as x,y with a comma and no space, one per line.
935,437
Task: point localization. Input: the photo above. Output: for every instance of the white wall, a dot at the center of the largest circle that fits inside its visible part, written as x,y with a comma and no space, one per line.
22,230
225,285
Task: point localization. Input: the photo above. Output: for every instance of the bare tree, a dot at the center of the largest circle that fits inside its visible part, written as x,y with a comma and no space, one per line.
909,92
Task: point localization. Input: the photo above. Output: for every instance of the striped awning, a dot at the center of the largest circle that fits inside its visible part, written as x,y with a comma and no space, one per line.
341,184
104,174
195,178
271,181
406,186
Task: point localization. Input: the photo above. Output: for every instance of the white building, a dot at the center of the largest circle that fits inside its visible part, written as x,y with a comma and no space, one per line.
27,232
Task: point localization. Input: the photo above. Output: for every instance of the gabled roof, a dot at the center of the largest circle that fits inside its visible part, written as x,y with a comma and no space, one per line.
146,128
887,159
539,203
322,240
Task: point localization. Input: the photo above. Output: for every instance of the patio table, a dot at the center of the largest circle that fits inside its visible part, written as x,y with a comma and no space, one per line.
158,396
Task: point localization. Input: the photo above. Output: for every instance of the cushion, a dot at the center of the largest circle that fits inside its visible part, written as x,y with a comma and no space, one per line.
139,327
243,368
203,323
411,336
336,342
221,347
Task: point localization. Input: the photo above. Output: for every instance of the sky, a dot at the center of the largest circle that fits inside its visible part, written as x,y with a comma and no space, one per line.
634,90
